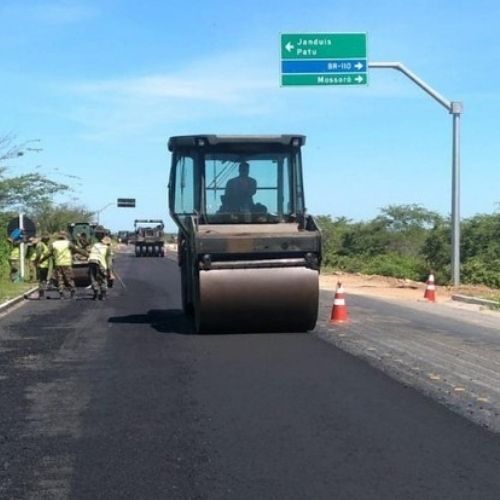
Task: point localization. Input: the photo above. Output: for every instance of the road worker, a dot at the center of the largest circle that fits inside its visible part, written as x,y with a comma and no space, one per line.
30,259
43,264
100,263
83,242
111,278
61,251
14,260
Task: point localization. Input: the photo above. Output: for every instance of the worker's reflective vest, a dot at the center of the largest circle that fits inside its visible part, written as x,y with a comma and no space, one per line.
15,253
98,255
42,250
61,252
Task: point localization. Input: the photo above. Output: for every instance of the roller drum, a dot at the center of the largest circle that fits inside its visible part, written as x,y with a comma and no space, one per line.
81,275
257,300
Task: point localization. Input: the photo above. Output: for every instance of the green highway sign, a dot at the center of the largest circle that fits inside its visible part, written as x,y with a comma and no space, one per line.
126,202
323,79
323,59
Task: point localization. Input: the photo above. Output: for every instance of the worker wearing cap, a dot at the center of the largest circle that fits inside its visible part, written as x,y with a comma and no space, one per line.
111,277
14,260
100,264
61,251
30,258
42,263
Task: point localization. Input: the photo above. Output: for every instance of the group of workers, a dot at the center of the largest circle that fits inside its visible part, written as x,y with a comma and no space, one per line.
53,260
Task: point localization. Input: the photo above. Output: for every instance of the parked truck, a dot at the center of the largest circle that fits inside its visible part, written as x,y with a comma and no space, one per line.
149,238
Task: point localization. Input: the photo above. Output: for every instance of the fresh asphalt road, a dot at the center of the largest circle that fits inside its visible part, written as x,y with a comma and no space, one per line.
120,400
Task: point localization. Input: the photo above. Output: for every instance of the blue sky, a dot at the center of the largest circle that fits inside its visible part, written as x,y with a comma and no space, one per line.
103,84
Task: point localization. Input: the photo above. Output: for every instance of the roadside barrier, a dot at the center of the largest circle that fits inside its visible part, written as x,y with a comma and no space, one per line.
339,309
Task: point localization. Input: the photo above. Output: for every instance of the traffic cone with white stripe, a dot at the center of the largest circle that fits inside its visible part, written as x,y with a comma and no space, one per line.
430,289
339,309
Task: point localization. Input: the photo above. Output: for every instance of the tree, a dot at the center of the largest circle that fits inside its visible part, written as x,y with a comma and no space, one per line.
408,226
52,218
31,193
26,191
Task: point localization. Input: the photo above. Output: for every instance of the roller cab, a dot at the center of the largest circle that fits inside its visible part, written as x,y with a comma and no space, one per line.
249,254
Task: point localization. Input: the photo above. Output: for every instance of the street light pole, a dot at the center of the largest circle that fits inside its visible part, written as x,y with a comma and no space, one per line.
455,108
98,212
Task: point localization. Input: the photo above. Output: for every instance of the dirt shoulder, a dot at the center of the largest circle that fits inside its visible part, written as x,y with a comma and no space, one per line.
399,289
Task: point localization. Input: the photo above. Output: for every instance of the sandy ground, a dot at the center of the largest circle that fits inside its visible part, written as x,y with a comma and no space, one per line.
398,289
380,286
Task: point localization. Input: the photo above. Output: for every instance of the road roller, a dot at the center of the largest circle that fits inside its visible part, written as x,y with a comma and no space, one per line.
249,253
149,240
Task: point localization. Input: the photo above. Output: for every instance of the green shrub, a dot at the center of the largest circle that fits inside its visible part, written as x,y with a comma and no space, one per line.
397,266
478,271
4,248
4,259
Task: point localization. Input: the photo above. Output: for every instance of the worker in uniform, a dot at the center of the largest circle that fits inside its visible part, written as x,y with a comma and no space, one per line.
100,264
83,242
14,260
61,251
30,259
42,263
111,278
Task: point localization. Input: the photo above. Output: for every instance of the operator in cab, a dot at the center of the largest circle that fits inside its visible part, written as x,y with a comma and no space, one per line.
238,196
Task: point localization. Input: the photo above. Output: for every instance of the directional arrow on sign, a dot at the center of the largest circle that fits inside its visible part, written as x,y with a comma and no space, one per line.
323,59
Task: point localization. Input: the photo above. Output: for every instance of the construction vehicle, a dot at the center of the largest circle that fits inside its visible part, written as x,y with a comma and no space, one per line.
81,234
149,240
245,267
123,237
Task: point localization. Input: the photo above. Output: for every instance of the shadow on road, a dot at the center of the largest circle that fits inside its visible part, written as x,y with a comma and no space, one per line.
163,321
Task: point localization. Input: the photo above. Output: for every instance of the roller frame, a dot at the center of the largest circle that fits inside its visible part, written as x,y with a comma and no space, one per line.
282,286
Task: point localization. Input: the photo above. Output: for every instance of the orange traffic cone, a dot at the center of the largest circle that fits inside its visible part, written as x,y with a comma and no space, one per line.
430,289
339,309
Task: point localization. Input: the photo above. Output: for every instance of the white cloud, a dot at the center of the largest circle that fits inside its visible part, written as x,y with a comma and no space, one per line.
229,85
239,87
226,79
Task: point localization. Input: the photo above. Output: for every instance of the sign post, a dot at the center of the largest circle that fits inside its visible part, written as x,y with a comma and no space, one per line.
22,247
20,228
322,59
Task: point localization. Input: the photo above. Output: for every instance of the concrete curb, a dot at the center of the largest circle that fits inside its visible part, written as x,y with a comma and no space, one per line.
12,302
474,300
